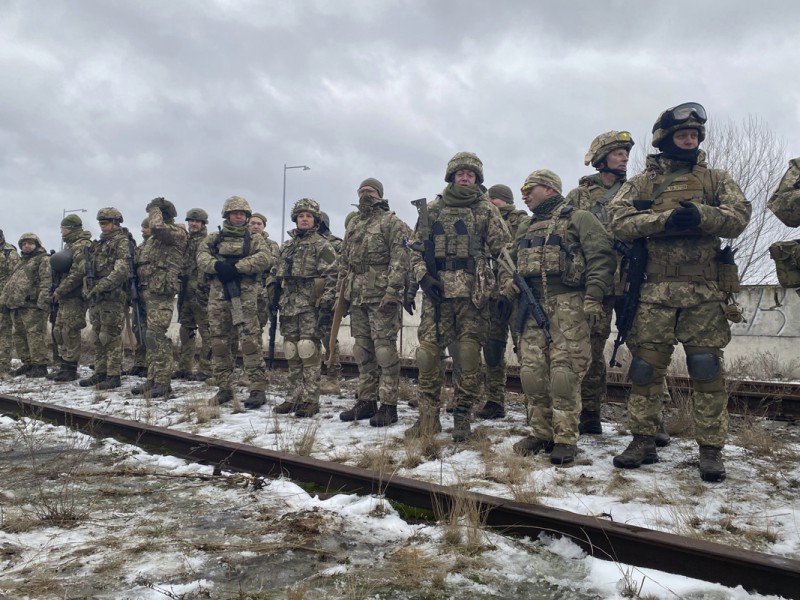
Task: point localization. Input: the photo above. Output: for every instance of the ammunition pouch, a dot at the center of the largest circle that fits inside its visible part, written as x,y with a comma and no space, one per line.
456,264
728,277
664,273
786,255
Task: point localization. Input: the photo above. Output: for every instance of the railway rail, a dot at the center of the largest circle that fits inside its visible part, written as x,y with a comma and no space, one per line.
754,571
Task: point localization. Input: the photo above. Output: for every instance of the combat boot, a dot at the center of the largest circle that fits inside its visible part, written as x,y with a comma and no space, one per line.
427,425
530,445
109,383
285,407
491,410
136,372
711,466
37,371
56,370
199,376
223,396
92,380
256,399
641,451
306,409
386,415
140,390
159,390
590,423
563,454
461,426
362,409
21,370
181,374
662,437
68,372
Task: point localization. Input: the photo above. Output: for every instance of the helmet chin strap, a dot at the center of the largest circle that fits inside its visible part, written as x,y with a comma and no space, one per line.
603,168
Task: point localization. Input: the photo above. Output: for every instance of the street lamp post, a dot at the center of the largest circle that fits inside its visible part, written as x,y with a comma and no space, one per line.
64,214
283,212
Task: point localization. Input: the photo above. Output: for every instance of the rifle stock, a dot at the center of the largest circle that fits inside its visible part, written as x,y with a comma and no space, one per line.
338,314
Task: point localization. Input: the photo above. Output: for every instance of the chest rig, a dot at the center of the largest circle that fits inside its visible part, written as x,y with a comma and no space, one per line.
368,243
456,239
667,191
544,251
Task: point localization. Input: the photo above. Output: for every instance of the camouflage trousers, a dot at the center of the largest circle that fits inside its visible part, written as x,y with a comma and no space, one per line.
70,321
703,331
108,320
593,386
220,325
334,371
30,334
459,322
159,346
6,340
494,356
551,373
140,350
193,318
374,333
301,346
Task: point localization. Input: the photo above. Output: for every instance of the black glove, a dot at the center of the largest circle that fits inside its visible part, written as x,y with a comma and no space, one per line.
324,318
433,288
504,308
685,217
409,303
225,271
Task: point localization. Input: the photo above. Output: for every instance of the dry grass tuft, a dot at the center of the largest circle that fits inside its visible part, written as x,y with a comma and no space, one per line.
304,443
463,521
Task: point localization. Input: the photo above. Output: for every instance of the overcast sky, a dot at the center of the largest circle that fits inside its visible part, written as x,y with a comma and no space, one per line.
110,103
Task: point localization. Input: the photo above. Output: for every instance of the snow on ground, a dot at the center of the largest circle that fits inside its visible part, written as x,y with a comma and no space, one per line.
754,508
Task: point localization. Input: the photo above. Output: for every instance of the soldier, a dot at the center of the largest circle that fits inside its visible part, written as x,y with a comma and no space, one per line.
307,272
333,378
193,303
494,351
258,223
9,259
69,268
459,229
785,201
26,295
235,259
567,259
106,277
372,279
159,266
681,208
139,368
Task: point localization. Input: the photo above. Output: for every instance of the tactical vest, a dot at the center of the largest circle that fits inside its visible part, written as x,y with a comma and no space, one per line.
231,247
6,264
159,267
667,190
104,252
456,240
368,244
544,252
598,209
300,257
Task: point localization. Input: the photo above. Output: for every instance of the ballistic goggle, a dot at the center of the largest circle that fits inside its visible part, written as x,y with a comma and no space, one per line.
681,114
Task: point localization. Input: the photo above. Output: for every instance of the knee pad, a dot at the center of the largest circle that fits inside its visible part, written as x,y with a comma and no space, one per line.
703,366
151,340
249,347
640,372
306,349
104,338
386,356
428,357
220,349
361,350
530,383
563,383
493,352
289,349
468,355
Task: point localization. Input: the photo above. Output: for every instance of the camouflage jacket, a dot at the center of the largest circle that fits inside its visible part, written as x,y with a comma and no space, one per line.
159,263
110,255
593,196
582,257
234,244
785,201
29,284
197,284
70,284
9,259
374,258
307,271
682,266
513,218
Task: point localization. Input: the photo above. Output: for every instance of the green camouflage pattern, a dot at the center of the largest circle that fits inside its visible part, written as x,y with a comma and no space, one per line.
785,201
71,316
193,315
30,334
9,259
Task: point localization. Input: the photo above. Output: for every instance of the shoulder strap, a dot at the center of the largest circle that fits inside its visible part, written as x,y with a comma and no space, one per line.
667,180
610,192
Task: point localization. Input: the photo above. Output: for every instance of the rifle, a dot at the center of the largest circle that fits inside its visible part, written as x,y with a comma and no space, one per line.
338,313
55,279
182,293
137,310
90,275
232,289
274,306
427,247
530,305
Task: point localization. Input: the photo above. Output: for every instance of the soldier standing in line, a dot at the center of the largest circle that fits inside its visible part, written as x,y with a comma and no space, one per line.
680,208
785,201
104,288
332,384
567,259
235,259
494,351
139,368
193,303
372,280
461,228
68,294
9,259
258,223
307,273
26,295
159,267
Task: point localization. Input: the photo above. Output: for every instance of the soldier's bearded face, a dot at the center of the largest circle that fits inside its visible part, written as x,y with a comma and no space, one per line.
194,225
686,139
27,246
465,177
237,217
617,159
256,225
305,221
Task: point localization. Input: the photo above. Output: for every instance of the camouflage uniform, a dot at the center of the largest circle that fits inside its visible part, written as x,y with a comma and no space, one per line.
239,257
494,351
464,227
159,267
26,296
682,208
566,257
139,367
785,201
333,371
307,273
107,297
71,316
9,259
267,278
193,305
372,278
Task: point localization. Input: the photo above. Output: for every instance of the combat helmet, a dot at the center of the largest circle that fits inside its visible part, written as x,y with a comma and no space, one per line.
61,261
464,160
689,115
109,214
308,205
236,203
197,214
605,143
167,208
544,177
30,237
